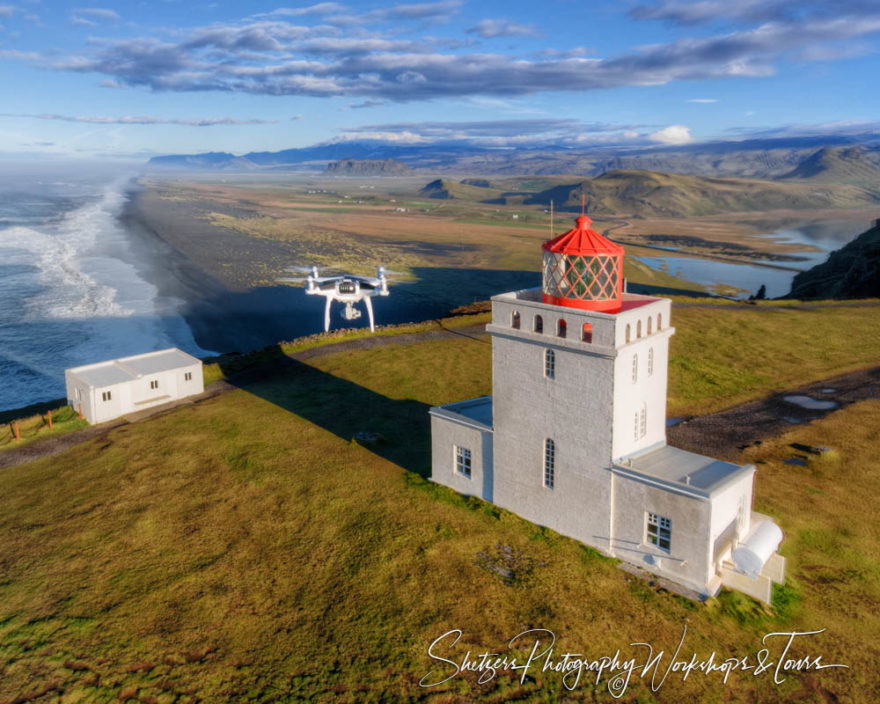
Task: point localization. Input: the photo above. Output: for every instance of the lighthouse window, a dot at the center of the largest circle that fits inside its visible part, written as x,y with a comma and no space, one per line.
587,335
539,324
650,321
106,396
636,427
659,321
550,364
463,461
561,328
659,531
154,384
635,368
638,329
650,358
514,320
643,421
627,332
549,463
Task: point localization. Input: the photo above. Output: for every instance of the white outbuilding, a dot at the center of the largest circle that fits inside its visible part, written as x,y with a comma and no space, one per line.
107,390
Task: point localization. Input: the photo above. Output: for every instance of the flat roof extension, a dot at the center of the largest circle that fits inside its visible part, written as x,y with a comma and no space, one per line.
686,472
476,412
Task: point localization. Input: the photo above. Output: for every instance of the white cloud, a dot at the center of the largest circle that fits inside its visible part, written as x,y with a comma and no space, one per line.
703,100
674,134
489,29
138,119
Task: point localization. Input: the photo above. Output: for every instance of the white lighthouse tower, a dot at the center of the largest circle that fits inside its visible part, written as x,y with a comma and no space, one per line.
574,435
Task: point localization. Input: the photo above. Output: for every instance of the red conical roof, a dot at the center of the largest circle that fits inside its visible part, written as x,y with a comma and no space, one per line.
582,240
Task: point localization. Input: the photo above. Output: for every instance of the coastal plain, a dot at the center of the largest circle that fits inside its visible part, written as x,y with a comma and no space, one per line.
250,547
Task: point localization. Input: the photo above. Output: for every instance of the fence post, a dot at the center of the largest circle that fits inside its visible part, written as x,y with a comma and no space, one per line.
17,434
50,420
80,411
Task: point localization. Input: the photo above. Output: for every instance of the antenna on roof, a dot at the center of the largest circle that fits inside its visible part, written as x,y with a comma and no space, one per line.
583,203
551,218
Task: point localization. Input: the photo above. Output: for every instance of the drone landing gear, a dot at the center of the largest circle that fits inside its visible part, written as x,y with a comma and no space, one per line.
350,313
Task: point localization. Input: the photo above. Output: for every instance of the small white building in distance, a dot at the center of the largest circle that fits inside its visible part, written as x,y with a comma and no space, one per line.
107,390
574,435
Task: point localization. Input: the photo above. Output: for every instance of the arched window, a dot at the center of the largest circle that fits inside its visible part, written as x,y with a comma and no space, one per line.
539,324
636,427
550,364
627,332
650,323
650,361
635,368
561,328
638,329
514,320
659,322
643,421
587,333
549,463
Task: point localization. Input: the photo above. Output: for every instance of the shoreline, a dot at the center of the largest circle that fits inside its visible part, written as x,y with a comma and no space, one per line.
210,268
221,319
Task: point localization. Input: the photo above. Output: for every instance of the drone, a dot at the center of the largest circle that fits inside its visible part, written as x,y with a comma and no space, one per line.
348,289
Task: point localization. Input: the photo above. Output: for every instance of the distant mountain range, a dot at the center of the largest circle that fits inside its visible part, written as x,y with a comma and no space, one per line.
840,159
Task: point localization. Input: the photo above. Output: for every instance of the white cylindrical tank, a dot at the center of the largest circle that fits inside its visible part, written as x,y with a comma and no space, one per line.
751,556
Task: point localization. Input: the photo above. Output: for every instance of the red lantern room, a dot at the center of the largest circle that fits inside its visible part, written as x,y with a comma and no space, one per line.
582,269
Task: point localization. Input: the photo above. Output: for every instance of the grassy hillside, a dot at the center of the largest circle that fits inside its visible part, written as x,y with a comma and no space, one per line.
853,271
444,189
247,549
839,165
649,193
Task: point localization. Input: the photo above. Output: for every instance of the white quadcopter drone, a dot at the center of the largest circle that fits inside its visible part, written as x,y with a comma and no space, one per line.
348,289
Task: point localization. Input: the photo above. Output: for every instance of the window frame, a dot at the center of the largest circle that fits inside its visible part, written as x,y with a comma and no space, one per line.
463,459
106,395
550,364
658,530
549,475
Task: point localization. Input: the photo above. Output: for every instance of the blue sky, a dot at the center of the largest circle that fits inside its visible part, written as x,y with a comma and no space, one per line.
124,79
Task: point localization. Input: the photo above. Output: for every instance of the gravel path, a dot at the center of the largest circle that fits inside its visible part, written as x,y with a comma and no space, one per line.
725,433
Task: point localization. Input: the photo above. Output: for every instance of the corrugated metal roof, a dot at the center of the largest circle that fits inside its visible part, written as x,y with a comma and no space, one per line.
162,361
117,371
106,374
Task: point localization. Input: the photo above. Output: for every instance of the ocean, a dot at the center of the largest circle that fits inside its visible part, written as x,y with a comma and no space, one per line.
71,286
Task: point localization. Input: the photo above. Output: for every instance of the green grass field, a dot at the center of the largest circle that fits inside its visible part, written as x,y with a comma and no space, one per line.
246,548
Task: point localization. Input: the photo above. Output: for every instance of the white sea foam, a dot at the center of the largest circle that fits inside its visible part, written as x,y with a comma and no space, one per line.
71,292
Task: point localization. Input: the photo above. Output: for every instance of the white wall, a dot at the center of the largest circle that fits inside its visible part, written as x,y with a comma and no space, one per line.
688,561
134,395
445,435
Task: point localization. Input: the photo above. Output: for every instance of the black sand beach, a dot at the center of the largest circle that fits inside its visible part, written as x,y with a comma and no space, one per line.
209,267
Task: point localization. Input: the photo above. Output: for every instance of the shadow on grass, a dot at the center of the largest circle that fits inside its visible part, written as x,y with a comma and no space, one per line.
397,430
